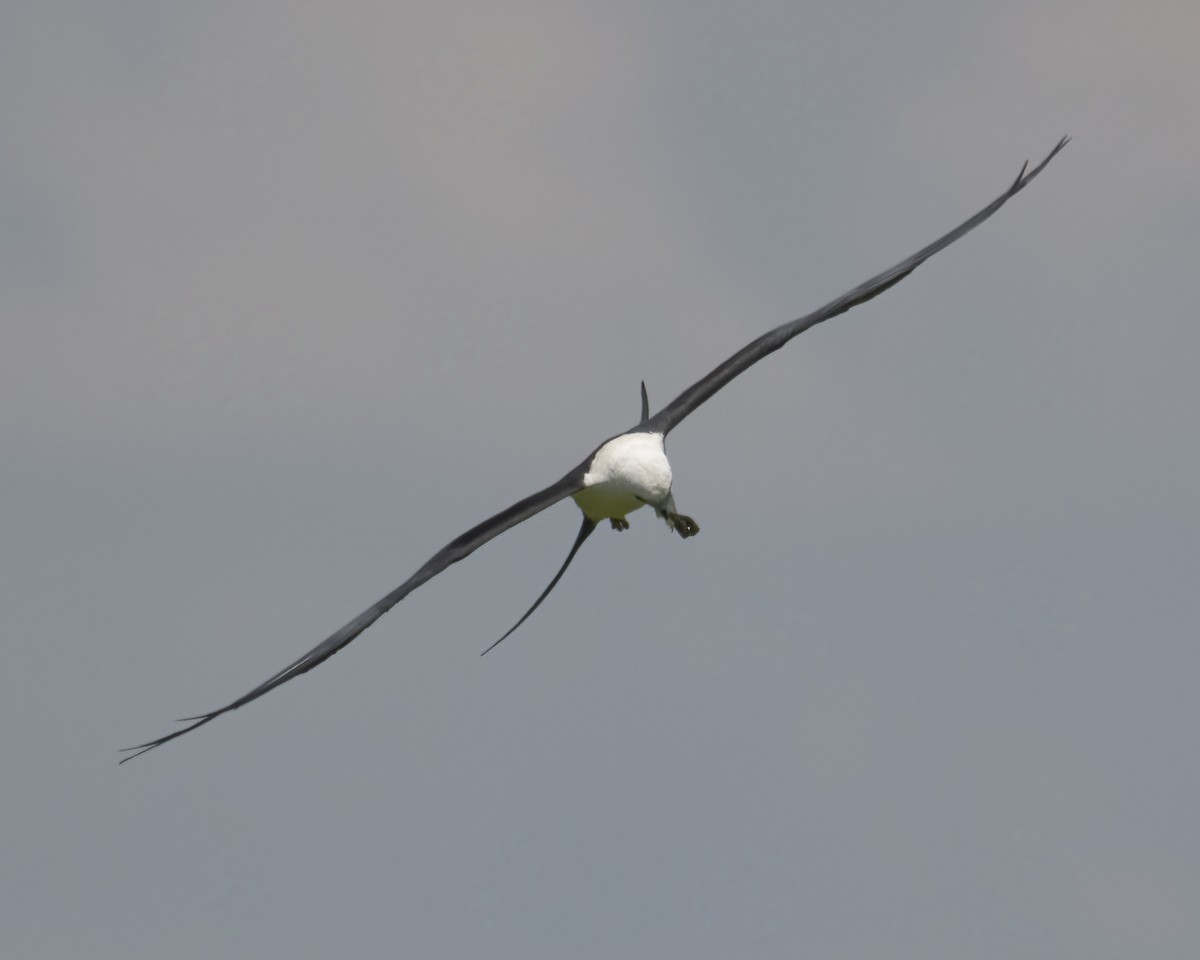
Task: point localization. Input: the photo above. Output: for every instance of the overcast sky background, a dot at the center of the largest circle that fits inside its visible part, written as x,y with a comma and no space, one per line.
292,294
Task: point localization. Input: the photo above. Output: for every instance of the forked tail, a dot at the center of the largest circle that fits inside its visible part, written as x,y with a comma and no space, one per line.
585,530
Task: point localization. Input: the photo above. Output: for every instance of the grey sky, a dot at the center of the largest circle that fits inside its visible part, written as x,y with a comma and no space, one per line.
291,295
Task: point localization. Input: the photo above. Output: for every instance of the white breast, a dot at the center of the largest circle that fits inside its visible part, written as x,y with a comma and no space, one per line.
626,473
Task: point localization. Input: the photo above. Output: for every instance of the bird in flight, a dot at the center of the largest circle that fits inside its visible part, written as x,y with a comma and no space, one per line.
624,473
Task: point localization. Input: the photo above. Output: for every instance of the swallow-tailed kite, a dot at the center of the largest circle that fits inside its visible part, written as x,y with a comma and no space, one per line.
622,474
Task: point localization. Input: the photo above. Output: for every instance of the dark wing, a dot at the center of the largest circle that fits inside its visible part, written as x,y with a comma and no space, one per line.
454,551
673,413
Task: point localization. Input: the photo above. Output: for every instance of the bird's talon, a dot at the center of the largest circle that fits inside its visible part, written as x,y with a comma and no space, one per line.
684,526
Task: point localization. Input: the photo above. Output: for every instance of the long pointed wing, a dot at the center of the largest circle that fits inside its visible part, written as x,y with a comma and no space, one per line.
673,413
585,531
454,551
